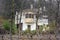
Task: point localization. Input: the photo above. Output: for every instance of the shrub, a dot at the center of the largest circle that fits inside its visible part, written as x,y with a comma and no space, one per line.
7,25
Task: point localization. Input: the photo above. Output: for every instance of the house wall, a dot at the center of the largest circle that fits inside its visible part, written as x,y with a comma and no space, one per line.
25,25
33,25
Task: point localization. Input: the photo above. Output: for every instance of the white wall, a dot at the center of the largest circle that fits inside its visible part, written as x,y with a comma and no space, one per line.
33,26
43,21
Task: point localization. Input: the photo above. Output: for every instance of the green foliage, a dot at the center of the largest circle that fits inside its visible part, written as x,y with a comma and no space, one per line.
52,25
26,31
44,28
33,32
14,29
48,28
7,25
40,29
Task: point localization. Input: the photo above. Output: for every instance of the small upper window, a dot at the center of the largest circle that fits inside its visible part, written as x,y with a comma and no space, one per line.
26,15
29,16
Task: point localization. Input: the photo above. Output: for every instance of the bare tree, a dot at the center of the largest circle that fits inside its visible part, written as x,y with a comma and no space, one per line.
12,17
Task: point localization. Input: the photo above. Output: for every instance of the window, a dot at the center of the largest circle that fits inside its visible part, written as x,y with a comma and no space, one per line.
32,16
29,15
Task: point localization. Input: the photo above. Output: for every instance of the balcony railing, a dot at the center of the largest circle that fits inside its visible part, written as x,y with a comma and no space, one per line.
29,20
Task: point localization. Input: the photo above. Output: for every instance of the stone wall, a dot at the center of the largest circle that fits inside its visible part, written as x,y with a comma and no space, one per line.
35,37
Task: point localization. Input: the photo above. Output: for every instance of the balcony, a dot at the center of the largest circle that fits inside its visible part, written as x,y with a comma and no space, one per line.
29,20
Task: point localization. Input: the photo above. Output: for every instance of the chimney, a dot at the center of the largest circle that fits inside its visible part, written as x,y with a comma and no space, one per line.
16,13
31,6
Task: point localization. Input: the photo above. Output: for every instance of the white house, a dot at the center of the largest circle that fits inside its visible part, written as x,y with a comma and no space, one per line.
28,19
